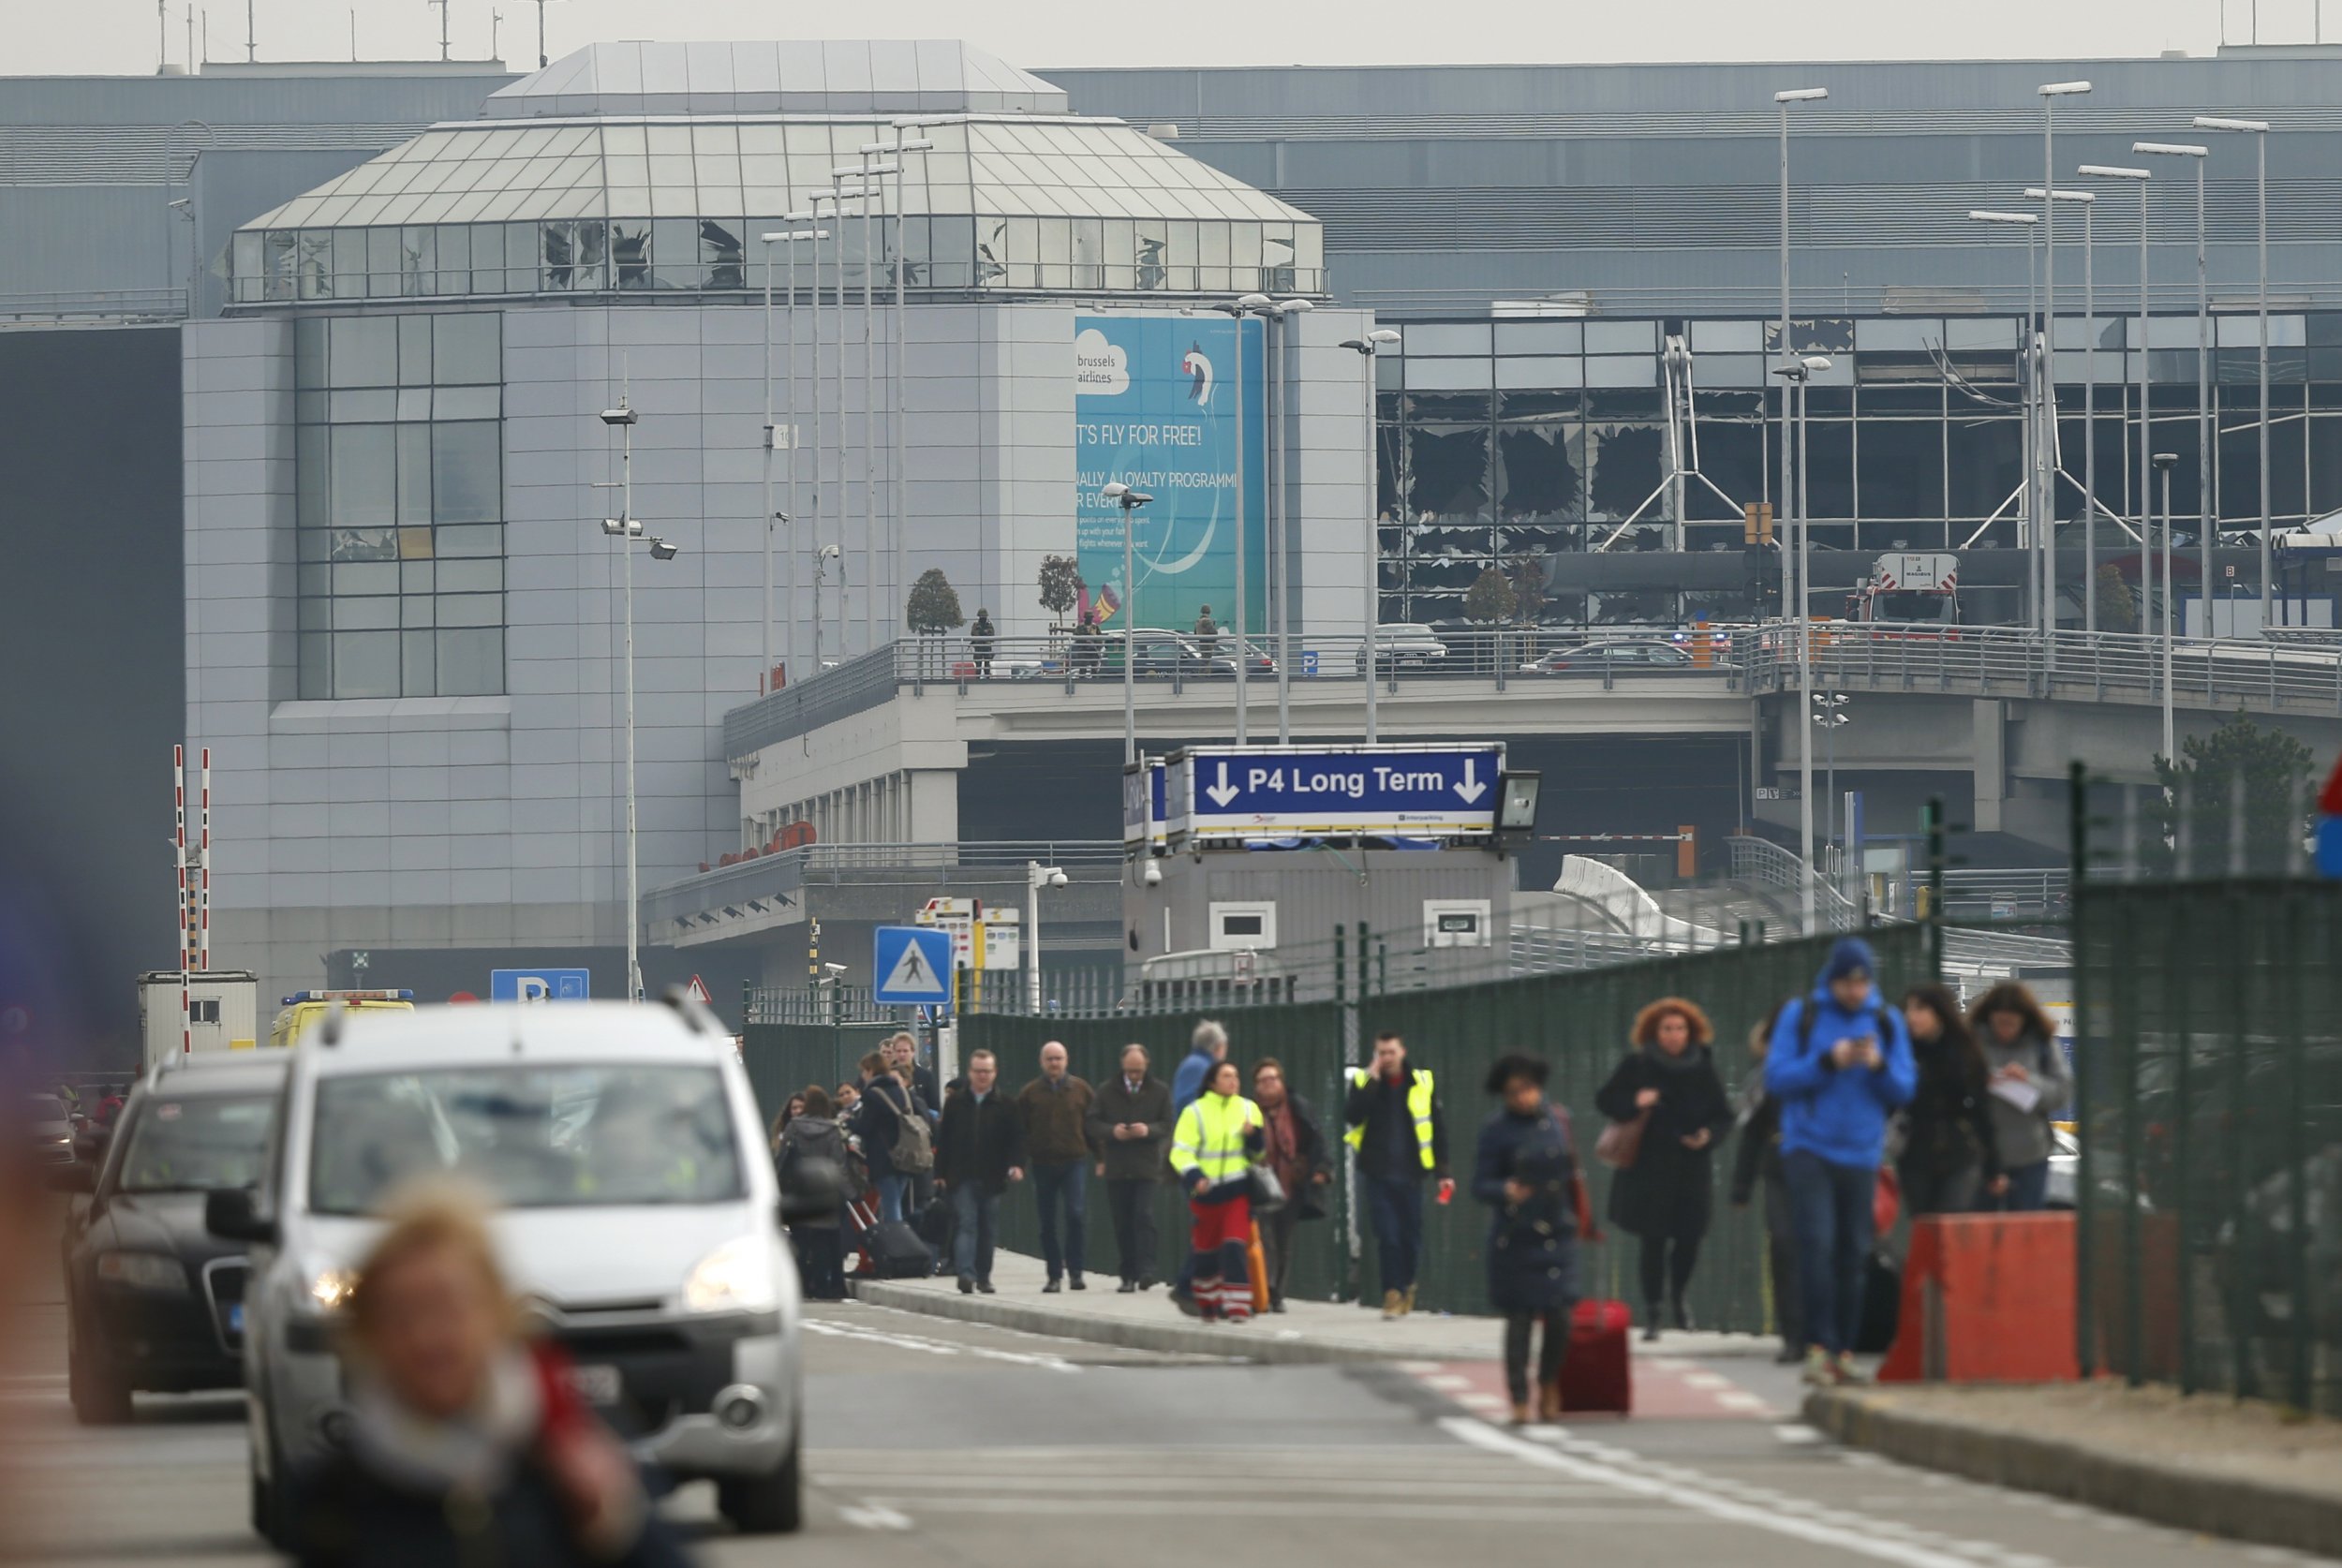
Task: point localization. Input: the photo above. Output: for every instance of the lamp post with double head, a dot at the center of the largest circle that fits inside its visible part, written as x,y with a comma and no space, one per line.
2046,460
2029,378
1130,501
2088,202
898,511
2206,526
1276,318
627,529
1372,615
2258,131
791,237
1797,595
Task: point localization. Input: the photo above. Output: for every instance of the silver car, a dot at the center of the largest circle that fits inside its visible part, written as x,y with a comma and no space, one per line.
639,1218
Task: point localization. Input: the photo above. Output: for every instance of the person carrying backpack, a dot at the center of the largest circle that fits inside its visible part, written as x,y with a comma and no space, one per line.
812,1135
898,1141
1841,1064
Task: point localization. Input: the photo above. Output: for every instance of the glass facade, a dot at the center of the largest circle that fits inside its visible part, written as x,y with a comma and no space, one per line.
1504,439
399,474
1020,203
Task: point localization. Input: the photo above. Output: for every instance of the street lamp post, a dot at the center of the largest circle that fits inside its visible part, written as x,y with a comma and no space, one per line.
1281,556
1828,716
2029,516
1243,305
2164,461
2207,522
2146,506
2088,202
1798,589
627,529
1037,877
1366,349
2046,461
791,238
873,178
2258,131
899,511
1790,586
1130,501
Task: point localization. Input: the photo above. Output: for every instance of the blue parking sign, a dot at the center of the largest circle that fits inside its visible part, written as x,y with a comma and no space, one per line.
539,985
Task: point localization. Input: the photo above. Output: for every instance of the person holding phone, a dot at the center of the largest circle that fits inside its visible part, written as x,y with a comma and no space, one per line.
1841,1064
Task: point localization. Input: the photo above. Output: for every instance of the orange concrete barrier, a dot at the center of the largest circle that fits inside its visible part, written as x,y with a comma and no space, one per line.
1987,1298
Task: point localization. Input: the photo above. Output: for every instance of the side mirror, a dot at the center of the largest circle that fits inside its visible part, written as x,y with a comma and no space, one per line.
76,1177
813,1190
234,1213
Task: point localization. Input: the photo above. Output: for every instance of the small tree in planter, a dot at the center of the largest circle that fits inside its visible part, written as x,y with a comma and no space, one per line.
932,609
1061,587
1489,603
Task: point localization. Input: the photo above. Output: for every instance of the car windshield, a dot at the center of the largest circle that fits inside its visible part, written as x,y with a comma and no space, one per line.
197,1144
531,1137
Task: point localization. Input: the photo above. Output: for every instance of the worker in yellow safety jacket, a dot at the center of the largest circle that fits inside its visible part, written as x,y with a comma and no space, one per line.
1213,1146
1398,1130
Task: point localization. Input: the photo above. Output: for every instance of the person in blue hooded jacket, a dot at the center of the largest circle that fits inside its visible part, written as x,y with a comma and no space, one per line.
1839,1064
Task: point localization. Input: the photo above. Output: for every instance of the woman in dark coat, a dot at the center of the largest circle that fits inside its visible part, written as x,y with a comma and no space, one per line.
1525,1173
1664,1196
1951,1158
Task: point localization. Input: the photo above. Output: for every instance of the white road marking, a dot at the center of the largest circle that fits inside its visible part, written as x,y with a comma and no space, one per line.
1885,1539
939,1347
1481,1401
1707,1380
1418,1367
872,1515
1446,1380
1738,1398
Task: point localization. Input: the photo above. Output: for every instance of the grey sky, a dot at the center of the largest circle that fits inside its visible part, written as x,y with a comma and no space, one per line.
119,36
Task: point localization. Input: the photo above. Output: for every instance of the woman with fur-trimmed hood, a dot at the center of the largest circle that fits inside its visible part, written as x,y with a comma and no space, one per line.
1664,1196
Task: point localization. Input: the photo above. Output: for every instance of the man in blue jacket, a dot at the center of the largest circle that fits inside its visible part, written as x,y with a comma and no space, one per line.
1208,1046
1840,1063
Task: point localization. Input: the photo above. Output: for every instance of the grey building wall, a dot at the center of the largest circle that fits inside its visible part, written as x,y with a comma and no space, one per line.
1653,186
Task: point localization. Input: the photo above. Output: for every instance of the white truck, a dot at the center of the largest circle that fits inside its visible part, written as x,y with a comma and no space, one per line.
1909,588
223,1012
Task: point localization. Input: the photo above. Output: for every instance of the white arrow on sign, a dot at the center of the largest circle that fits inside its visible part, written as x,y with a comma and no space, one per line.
1224,792
1471,789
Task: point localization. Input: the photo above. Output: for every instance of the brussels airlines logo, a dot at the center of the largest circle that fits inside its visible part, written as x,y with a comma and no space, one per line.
1198,370
1101,368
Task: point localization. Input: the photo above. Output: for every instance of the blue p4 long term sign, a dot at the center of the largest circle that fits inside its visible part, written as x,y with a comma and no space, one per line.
1222,792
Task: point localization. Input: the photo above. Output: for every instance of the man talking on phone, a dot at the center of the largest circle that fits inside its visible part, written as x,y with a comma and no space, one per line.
1839,1064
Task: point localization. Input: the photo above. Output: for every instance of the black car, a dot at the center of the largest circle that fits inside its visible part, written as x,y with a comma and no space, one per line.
153,1300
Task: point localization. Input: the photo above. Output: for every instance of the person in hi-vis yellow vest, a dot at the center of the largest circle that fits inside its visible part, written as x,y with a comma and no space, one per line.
1398,1130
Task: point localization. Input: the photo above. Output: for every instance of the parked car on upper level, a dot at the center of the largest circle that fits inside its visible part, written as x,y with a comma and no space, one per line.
1617,657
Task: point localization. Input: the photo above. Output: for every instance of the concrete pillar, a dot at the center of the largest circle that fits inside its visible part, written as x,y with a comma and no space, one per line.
1989,738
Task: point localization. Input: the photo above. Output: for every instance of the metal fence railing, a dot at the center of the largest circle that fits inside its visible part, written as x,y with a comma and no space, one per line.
1577,1020
2209,1051
2221,673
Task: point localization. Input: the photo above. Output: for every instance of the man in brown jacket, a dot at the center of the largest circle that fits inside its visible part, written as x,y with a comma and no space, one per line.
1055,1110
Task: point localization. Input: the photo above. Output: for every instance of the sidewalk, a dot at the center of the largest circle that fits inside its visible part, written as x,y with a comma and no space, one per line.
1307,1331
2208,1463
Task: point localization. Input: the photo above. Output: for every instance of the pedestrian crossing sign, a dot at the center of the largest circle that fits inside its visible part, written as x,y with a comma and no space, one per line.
912,963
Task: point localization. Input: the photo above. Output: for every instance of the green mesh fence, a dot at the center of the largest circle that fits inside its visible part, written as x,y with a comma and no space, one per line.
2209,1054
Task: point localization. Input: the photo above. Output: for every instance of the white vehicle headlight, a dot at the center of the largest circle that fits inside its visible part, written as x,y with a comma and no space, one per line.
330,1289
144,1271
737,1277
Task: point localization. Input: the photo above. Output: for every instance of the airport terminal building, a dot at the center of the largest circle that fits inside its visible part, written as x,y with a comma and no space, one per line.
416,288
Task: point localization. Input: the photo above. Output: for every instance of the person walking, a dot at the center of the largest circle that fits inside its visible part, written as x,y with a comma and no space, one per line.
1206,1045
1130,1127
1396,1125
1055,1111
902,1057
813,1133
879,1115
980,635
1757,1158
1294,1149
979,1154
1950,1157
1667,1081
1841,1064
466,1440
2031,1082
1212,1149
1525,1171
1206,635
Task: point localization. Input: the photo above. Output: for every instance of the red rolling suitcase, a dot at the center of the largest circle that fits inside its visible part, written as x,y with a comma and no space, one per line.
1599,1375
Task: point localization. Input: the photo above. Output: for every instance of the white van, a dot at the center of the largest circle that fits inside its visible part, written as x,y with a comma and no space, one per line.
640,1219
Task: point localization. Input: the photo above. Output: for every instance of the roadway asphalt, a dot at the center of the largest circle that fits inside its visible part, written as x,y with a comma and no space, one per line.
943,1445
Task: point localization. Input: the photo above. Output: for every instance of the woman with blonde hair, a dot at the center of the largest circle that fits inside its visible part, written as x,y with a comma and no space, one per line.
1667,1087
466,1441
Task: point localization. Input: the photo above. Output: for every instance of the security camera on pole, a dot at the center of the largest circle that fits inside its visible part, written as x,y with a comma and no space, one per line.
1037,877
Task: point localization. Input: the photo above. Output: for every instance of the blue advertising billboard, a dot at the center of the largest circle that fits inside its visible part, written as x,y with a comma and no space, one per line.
1155,407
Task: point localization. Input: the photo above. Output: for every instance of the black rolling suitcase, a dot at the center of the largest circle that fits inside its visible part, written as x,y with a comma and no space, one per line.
896,1251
